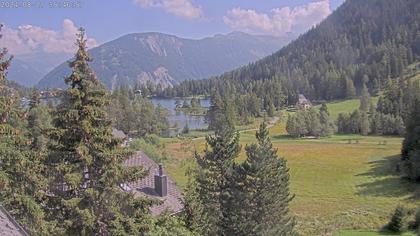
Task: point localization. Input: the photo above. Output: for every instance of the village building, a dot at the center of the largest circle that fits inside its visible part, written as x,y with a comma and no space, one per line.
157,185
303,102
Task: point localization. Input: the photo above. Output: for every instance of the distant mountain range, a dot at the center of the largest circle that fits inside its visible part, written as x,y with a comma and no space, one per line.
27,70
168,60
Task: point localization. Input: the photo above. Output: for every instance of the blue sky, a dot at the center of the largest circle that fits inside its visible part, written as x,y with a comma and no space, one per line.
50,28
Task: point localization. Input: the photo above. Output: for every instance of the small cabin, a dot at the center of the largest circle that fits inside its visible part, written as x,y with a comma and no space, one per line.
303,102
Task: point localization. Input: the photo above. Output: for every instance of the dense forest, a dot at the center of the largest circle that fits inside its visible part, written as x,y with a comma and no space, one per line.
362,42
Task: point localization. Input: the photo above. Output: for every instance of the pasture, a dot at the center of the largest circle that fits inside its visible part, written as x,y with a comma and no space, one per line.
344,182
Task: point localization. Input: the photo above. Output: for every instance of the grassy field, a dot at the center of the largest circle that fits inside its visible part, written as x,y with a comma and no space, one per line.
338,184
369,233
346,106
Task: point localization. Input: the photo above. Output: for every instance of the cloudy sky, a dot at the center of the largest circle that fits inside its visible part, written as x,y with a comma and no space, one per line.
51,29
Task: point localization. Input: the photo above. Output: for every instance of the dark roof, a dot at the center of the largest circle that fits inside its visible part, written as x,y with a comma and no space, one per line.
145,186
8,226
118,134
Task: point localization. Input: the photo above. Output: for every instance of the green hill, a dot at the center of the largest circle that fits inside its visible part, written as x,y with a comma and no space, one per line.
361,42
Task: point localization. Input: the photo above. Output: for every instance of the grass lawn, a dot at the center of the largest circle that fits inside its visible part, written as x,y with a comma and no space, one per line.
347,106
370,233
337,185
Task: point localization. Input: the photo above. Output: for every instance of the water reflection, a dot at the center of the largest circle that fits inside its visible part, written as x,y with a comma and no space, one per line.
179,119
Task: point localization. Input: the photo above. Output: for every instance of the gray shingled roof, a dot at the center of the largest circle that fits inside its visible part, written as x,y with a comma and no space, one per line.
118,134
8,226
145,186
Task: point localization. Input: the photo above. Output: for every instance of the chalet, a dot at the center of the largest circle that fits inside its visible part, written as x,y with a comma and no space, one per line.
157,185
303,102
9,226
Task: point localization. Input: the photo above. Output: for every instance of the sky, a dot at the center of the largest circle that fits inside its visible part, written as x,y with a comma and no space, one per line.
50,26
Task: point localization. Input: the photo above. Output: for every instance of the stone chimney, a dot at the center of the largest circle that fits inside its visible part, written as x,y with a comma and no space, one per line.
161,183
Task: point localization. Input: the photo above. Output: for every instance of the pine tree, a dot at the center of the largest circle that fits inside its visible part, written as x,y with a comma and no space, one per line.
364,110
220,114
85,162
265,190
271,110
350,89
411,145
212,205
396,223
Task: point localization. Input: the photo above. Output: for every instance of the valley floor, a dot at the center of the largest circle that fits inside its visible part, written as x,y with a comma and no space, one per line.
344,182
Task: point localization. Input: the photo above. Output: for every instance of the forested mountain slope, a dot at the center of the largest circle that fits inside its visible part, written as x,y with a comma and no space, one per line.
361,42
167,60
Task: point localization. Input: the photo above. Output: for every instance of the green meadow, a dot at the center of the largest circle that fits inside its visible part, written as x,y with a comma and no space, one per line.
344,182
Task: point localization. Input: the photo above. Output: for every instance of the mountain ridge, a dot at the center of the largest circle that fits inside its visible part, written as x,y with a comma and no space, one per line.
168,59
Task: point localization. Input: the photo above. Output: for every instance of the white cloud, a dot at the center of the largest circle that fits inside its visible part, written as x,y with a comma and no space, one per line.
181,8
280,20
27,39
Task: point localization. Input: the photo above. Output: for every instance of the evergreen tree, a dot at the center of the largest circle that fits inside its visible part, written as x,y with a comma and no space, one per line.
411,144
365,100
350,89
85,162
210,210
396,223
292,126
265,190
220,114
271,110
39,121
22,187
327,127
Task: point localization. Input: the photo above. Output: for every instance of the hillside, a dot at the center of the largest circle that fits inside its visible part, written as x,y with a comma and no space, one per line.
23,73
361,42
28,70
167,59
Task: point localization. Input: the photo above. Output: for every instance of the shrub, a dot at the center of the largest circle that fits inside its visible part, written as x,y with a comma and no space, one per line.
396,223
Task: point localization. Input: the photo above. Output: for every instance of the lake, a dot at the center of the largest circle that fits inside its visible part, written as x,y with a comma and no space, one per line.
180,119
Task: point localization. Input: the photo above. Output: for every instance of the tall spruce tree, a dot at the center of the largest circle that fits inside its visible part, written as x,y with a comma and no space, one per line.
364,111
411,144
220,114
265,190
209,205
85,162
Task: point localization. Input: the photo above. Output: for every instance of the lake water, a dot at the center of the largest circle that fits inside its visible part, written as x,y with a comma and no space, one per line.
180,119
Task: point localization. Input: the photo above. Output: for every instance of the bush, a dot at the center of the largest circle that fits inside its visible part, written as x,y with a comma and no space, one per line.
396,223
152,139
